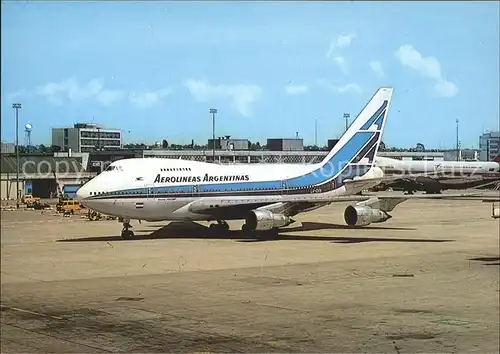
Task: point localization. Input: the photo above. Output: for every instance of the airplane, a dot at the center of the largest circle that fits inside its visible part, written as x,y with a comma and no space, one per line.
436,176
266,196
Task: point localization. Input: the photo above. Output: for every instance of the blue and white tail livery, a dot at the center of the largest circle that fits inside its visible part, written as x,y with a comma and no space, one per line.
354,154
172,189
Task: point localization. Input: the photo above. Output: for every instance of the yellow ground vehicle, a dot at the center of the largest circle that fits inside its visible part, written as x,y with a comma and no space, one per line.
30,201
68,206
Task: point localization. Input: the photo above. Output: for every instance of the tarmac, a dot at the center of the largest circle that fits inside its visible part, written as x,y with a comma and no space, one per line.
427,280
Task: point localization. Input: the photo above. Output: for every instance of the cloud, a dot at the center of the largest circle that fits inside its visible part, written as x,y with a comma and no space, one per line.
147,99
243,96
296,89
376,67
342,41
71,90
445,88
108,97
11,97
428,67
340,89
341,63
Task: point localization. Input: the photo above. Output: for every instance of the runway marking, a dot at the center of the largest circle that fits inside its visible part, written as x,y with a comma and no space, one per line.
3,307
56,337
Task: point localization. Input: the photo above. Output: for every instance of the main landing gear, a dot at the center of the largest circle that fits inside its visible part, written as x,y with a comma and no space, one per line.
126,233
221,226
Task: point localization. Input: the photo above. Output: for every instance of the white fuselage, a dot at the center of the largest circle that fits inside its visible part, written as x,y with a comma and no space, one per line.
393,166
163,189
166,189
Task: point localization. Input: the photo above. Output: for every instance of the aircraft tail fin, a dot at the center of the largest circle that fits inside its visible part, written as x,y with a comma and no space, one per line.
359,144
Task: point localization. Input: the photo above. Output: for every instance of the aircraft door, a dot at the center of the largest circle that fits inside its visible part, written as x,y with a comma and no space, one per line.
284,187
150,190
195,190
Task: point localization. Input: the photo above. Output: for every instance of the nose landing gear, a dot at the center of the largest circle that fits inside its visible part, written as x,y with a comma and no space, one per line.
126,233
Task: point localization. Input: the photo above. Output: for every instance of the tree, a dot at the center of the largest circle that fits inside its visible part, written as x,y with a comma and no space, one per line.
55,148
42,148
420,147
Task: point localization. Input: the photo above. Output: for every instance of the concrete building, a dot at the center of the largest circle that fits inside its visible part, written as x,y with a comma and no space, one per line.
489,146
85,137
285,144
8,148
226,143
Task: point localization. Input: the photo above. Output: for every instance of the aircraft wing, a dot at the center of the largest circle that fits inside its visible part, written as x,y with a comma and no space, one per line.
237,207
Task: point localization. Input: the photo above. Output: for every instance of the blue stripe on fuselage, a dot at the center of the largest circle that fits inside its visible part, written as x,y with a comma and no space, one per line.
330,169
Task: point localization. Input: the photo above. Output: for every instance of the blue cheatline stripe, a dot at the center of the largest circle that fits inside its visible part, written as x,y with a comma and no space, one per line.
349,173
330,169
379,113
240,186
174,189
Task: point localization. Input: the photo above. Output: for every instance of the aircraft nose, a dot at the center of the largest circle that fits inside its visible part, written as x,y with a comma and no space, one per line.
82,193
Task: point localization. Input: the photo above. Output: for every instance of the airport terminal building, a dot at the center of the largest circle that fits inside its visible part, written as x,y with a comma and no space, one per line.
86,137
489,145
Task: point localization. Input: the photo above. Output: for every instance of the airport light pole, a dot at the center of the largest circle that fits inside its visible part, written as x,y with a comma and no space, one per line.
17,106
316,132
458,151
213,111
346,117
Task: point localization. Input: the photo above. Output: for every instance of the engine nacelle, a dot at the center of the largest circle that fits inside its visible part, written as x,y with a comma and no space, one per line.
261,220
362,215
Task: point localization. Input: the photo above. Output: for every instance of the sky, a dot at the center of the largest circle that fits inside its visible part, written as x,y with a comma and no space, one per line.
272,69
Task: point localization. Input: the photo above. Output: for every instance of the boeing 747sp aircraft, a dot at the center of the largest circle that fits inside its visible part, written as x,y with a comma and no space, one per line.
266,196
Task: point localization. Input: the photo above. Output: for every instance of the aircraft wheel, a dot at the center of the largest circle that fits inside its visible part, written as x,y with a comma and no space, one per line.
127,234
245,229
224,227
219,227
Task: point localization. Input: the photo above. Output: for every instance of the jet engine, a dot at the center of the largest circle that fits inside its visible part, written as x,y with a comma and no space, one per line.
362,215
262,219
